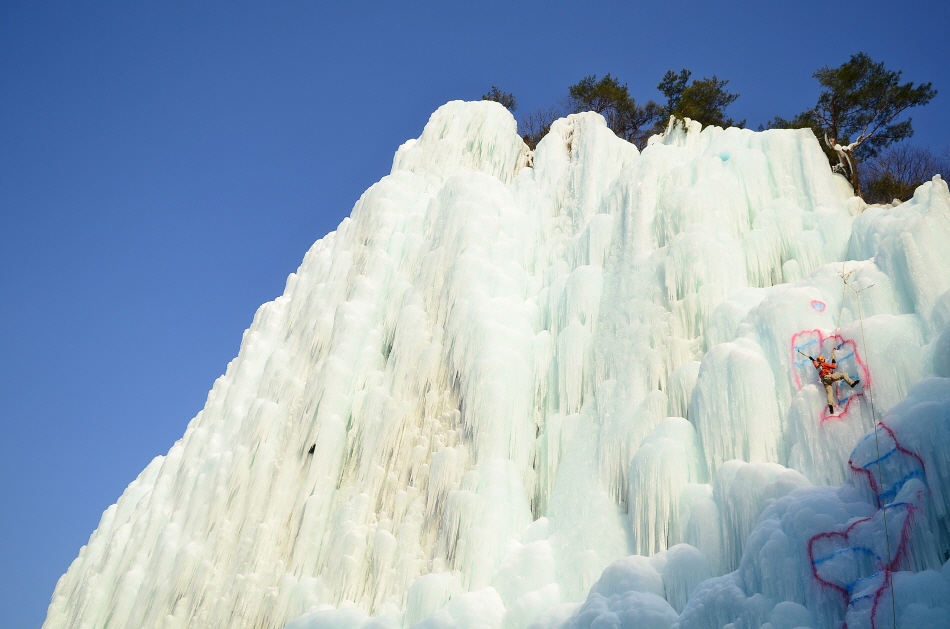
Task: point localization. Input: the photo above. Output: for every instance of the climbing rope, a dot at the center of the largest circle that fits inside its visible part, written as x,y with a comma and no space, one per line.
880,469
877,444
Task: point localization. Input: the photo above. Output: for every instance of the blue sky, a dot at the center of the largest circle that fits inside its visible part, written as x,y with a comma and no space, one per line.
164,166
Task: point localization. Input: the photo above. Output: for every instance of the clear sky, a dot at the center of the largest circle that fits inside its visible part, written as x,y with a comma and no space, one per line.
165,165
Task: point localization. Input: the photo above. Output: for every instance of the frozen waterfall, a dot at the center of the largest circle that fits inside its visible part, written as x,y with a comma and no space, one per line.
563,389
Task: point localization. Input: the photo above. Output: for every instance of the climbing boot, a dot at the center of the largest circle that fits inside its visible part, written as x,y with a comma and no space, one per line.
855,383
831,409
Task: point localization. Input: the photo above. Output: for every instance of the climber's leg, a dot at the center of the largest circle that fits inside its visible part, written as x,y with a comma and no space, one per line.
831,397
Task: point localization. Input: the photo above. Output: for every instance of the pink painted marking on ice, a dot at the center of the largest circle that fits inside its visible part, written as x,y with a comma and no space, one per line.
872,482
887,568
902,548
901,551
818,305
863,373
825,416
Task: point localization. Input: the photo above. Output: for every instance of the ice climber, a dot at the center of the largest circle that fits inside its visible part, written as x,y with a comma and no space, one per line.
828,376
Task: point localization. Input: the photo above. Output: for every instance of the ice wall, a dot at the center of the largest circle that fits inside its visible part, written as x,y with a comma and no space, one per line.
564,388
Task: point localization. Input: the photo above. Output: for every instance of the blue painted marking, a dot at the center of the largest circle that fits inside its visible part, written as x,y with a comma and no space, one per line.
894,505
850,549
900,484
860,598
874,461
850,587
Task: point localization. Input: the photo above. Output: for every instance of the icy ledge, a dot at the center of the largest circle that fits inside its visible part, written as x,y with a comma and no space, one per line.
564,389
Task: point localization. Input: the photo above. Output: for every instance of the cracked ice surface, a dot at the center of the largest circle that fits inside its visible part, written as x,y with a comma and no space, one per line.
559,388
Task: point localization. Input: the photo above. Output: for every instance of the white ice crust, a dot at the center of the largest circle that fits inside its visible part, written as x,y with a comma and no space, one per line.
557,389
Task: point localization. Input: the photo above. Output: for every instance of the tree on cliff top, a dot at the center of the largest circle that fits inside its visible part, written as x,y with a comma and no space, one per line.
612,100
507,99
856,114
704,100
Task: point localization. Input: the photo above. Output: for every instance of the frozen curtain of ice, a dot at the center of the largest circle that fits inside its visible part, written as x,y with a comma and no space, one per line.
560,389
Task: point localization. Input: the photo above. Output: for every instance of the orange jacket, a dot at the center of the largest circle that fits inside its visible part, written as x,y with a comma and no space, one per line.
824,367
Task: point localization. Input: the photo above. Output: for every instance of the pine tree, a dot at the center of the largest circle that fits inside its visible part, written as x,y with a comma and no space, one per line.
505,98
703,100
612,100
857,111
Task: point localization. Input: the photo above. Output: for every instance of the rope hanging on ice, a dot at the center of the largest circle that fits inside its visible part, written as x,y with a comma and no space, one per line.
877,444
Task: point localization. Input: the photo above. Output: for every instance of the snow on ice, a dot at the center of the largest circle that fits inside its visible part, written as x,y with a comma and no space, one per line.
562,389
